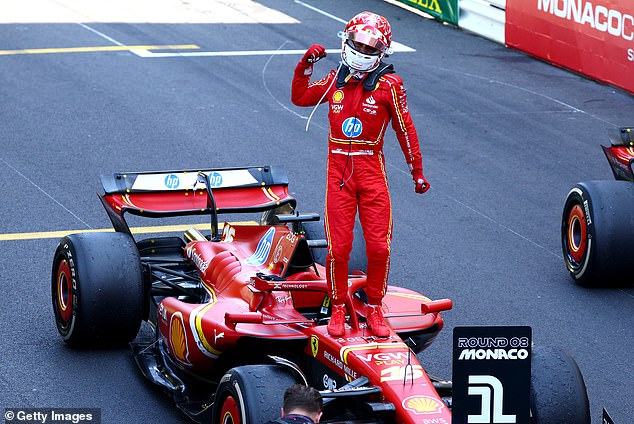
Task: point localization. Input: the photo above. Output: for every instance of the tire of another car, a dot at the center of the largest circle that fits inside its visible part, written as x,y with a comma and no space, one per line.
558,392
597,232
251,394
97,289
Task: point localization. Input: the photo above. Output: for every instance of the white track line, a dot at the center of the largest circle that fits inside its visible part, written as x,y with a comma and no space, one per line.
396,46
101,34
43,191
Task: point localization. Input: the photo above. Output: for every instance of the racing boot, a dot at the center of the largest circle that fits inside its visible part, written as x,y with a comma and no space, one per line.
376,322
337,324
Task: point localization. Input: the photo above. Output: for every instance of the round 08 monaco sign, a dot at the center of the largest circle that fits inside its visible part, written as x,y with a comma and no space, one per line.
592,37
491,375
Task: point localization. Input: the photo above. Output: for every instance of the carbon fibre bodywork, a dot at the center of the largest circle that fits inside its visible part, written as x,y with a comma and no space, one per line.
620,153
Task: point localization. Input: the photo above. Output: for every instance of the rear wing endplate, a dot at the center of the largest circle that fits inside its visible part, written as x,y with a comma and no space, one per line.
623,136
620,153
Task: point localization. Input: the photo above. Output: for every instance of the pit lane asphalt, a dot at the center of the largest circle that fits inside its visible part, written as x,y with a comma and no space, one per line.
504,138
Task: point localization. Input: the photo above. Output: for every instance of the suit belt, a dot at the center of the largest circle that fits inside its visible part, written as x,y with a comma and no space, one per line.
353,153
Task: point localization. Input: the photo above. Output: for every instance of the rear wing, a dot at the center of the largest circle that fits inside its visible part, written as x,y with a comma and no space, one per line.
178,193
620,153
623,136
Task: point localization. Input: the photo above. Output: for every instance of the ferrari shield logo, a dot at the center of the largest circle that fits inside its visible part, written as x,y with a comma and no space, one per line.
314,345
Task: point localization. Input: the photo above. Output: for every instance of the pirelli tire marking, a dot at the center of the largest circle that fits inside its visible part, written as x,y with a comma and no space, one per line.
66,292
578,238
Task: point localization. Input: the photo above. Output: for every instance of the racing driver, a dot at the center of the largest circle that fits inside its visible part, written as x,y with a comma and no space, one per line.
364,95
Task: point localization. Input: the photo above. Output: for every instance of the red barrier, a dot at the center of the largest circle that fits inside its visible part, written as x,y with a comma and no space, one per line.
592,37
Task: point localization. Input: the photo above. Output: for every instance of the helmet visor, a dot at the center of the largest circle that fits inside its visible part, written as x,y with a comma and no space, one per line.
368,40
363,48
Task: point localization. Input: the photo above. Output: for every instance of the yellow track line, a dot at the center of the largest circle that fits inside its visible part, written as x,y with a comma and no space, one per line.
135,230
98,49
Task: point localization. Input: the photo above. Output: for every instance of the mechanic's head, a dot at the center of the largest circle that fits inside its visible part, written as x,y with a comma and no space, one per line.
366,40
303,400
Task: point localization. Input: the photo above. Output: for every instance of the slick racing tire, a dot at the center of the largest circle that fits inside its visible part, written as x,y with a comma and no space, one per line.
251,394
97,289
558,392
597,232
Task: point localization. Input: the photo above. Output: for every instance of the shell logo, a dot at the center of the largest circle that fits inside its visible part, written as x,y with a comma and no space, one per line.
337,96
423,405
178,339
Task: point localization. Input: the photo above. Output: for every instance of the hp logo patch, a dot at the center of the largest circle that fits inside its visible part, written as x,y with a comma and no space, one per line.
215,179
172,181
352,127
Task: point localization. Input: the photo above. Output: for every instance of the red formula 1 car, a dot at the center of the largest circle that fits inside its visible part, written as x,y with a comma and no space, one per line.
597,229
236,316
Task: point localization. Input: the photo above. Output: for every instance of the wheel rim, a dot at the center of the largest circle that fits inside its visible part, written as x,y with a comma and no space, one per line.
230,413
577,234
64,292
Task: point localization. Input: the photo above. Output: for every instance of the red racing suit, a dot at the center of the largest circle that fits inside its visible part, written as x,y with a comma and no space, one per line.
356,177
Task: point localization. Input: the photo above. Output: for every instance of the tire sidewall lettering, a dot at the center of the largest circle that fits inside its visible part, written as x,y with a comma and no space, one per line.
577,197
67,254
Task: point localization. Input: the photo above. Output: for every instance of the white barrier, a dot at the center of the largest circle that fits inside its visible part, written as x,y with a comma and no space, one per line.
483,17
